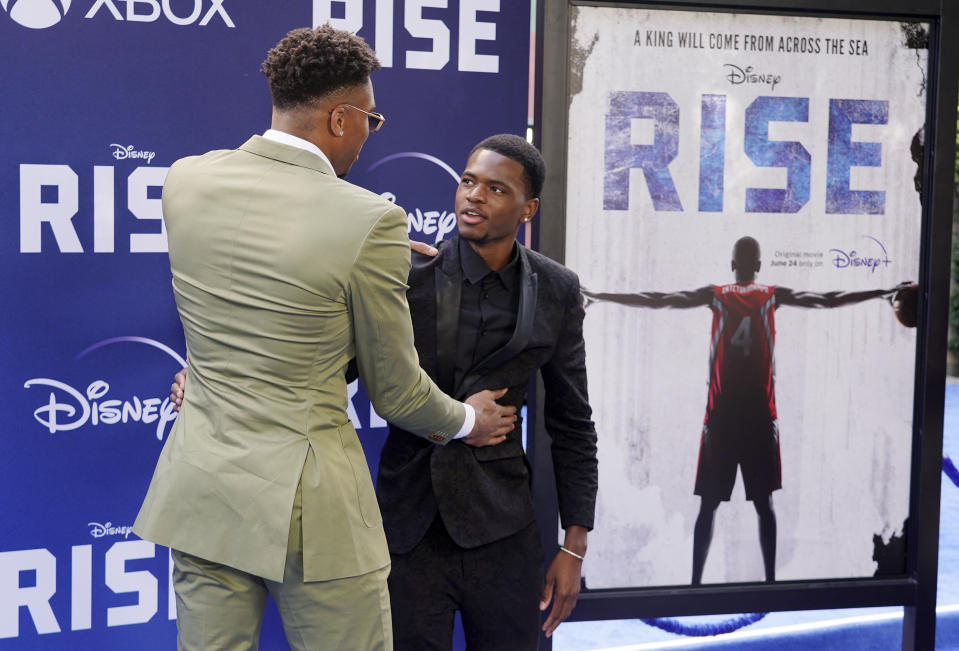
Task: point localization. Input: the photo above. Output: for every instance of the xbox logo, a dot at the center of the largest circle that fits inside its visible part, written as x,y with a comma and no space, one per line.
36,14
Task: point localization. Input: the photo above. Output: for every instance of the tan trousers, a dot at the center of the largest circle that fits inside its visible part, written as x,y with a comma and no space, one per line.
221,608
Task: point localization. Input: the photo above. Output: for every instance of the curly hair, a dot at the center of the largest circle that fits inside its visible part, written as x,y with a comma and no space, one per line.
309,64
518,149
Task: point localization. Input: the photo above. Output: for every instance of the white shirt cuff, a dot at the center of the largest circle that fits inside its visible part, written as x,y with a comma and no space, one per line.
469,423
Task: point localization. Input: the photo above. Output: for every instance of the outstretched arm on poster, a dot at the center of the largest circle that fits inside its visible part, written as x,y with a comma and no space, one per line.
801,298
695,298
898,295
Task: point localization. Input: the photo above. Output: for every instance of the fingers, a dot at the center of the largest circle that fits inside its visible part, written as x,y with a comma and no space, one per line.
500,424
423,247
176,389
551,623
480,442
498,434
487,395
562,607
493,420
547,595
505,428
507,421
564,601
504,411
562,587
176,396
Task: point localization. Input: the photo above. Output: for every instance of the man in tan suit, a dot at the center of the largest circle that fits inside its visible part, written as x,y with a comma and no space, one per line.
282,273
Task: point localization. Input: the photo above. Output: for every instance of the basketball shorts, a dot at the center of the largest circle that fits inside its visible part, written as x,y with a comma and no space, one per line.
746,441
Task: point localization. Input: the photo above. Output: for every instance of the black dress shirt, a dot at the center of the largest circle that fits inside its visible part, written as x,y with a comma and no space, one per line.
489,302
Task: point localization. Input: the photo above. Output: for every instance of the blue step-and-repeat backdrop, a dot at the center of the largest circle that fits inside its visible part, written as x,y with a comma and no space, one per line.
99,98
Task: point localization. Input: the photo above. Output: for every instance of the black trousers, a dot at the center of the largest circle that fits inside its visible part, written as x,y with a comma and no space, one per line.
495,587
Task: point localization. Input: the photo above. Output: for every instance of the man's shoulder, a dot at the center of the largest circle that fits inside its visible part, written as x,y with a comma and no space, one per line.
211,164
553,270
423,262
365,199
196,170
212,156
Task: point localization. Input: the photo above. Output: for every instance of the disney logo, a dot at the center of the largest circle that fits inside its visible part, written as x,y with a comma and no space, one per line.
98,530
438,222
122,153
68,409
854,259
747,75
432,221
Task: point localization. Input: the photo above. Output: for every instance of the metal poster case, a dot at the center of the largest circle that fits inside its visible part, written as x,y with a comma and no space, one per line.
745,193
792,132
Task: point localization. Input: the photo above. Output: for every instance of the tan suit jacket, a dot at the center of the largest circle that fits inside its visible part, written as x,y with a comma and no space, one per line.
282,273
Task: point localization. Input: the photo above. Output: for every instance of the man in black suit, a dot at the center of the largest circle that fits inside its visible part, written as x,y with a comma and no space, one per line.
489,313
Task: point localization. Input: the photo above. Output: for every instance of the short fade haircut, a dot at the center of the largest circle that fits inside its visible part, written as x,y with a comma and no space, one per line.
746,251
310,64
518,149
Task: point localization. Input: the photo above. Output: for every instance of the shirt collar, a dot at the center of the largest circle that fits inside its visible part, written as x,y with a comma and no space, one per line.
475,268
285,138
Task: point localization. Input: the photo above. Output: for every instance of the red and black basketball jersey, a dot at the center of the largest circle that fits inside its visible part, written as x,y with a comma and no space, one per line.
741,364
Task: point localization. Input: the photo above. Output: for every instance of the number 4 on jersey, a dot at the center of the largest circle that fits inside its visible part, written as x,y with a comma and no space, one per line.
742,338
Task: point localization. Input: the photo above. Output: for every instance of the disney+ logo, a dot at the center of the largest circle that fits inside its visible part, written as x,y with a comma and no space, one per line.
854,259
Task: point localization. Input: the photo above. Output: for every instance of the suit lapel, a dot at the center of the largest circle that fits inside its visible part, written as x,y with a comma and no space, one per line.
524,328
448,277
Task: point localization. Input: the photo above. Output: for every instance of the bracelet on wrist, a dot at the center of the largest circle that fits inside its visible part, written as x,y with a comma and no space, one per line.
573,554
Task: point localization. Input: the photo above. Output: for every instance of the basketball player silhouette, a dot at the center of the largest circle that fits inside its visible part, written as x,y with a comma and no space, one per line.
740,428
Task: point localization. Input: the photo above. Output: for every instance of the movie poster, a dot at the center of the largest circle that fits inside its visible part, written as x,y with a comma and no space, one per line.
740,190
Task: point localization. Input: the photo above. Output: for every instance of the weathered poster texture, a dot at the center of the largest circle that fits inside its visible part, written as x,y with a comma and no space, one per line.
688,132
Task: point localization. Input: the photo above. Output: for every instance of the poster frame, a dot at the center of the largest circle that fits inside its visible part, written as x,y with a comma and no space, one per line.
916,590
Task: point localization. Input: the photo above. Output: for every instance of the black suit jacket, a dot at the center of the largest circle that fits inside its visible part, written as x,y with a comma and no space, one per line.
483,494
